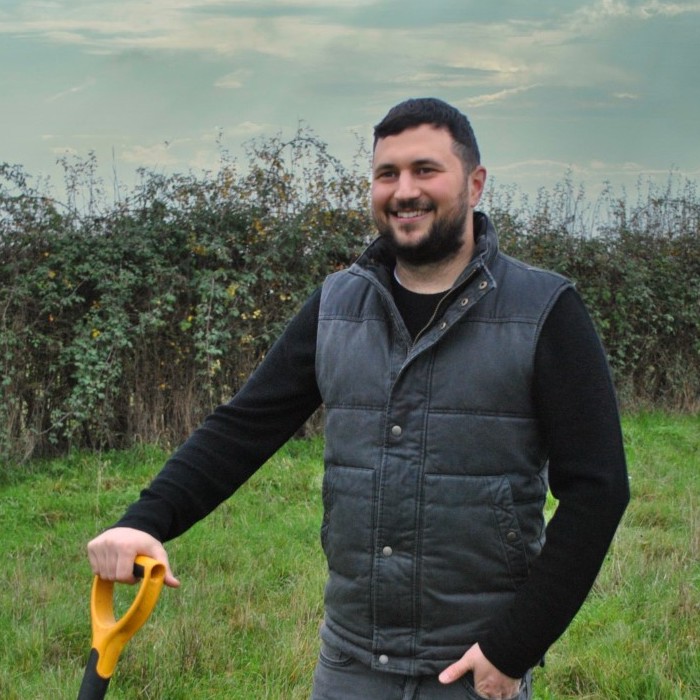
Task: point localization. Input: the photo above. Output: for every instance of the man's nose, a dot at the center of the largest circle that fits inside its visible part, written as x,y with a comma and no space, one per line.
406,187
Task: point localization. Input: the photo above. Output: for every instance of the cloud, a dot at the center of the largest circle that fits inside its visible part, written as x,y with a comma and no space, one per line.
591,170
247,129
155,154
233,80
63,151
603,10
533,163
202,152
72,90
439,52
188,25
482,100
256,67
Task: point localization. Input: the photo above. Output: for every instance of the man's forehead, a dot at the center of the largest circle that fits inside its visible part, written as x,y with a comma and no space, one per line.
422,144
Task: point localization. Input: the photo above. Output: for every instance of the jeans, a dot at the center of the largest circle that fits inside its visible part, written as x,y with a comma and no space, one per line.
340,677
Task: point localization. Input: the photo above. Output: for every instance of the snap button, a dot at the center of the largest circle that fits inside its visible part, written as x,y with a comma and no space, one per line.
465,301
443,325
511,535
387,551
396,431
384,659
483,284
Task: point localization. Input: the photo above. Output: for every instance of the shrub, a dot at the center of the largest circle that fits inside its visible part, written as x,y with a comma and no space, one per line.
128,322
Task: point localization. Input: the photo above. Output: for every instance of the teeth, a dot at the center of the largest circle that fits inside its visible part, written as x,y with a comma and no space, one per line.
409,214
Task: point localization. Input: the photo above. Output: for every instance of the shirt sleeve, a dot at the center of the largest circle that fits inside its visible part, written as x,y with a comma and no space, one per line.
577,410
238,437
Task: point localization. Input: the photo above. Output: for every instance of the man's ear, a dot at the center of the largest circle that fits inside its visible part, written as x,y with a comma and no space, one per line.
477,182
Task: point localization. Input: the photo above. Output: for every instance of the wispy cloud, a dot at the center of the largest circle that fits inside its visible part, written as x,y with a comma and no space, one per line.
182,66
59,151
532,163
155,154
501,95
602,10
593,170
71,90
161,25
506,54
249,129
233,80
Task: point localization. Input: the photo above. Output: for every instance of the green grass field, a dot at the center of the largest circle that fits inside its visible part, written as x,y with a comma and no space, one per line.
244,623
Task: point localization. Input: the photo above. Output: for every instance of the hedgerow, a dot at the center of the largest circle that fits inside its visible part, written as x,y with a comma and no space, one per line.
128,321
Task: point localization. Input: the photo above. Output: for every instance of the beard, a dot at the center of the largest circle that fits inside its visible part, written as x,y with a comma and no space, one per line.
442,242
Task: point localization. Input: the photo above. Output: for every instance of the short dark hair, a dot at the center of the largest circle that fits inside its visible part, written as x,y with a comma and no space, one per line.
429,110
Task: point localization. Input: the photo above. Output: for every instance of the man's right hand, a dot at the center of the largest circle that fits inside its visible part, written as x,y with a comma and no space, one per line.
112,554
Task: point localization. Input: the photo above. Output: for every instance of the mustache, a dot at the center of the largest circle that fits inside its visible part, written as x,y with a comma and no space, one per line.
417,203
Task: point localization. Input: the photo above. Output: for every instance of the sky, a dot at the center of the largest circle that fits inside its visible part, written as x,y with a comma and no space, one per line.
607,91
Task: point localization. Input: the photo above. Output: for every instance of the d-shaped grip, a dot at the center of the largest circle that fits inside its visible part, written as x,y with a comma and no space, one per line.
109,635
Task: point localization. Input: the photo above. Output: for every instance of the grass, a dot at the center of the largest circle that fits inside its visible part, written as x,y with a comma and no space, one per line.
245,622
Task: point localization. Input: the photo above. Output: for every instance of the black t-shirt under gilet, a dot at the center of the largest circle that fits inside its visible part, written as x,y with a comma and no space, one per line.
415,309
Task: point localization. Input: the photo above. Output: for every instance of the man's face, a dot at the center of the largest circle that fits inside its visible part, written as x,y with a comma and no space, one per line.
422,202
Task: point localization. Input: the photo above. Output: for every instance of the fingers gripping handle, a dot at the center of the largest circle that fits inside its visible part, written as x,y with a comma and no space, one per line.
109,635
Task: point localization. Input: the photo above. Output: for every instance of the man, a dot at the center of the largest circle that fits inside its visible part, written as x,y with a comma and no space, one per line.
458,384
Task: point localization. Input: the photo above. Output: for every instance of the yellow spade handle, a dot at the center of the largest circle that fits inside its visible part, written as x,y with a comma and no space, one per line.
109,635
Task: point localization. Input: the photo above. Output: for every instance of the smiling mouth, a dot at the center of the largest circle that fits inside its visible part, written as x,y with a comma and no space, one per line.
410,213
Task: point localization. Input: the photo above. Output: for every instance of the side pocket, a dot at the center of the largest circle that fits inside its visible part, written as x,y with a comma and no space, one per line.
347,535
473,556
524,693
332,657
347,528
509,529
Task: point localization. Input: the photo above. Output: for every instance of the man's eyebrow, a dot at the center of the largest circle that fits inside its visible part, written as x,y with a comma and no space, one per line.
426,161
418,163
383,166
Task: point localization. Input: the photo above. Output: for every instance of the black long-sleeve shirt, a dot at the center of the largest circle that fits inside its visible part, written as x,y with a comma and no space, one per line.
578,414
